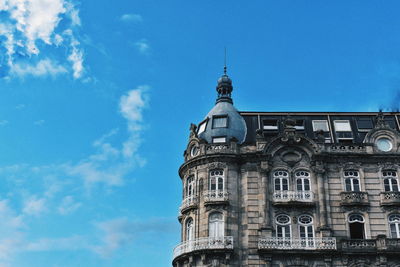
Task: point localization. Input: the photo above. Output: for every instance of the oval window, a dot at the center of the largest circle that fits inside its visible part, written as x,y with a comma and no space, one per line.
384,144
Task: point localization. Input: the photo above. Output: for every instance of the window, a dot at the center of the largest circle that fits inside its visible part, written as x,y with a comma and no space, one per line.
270,125
189,229
343,130
320,125
189,189
306,230
352,181
202,127
221,139
302,181
216,225
356,226
216,180
299,125
364,124
220,121
390,181
394,225
283,229
281,180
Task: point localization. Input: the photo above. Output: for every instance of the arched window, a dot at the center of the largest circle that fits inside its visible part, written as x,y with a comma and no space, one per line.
352,181
216,225
394,225
356,226
189,188
216,180
281,180
283,228
303,181
306,230
390,181
189,229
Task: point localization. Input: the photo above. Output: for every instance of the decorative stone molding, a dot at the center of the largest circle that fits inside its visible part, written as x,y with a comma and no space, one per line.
281,243
391,198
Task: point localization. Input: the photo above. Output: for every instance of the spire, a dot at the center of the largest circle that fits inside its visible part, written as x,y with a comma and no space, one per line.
224,86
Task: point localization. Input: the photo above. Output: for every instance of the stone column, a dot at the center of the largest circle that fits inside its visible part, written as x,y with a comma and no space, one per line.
319,171
266,227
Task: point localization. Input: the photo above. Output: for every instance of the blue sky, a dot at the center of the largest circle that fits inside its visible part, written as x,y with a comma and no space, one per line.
96,99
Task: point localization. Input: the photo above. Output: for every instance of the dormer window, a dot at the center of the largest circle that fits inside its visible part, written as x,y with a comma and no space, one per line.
220,139
202,127
343,130
270,125
364,124
220,122
299,125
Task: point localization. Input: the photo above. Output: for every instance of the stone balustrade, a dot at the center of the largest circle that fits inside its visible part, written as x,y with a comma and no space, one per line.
211,196
205,243
280,243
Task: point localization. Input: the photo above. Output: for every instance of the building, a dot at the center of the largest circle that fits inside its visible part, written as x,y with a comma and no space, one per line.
290,189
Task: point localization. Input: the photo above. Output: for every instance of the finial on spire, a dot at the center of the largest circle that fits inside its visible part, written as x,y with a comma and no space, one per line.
225,62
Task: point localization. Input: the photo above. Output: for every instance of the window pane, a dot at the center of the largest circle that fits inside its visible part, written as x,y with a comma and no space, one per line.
220,183
393,232
202,127
356,185
219,139
277,184
270,124
348,184
306,184
342,126
364,123
285,184
220,122
320,125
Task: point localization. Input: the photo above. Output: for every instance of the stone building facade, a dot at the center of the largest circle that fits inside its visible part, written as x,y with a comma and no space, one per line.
290,189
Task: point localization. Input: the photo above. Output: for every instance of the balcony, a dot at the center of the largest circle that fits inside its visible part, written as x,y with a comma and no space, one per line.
381,244
189,203
205,243
293,197
215,196
391,198
354,199
279,243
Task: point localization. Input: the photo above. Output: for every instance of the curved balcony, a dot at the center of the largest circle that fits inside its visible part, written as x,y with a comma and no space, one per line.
391,198
354,198
280,243
293,197
215,196
188,203
205,243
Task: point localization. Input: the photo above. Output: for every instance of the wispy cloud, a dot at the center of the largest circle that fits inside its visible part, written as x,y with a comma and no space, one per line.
30,27
44,67
39,122
142,46
3,122
34,206
20,106
68,205
131,17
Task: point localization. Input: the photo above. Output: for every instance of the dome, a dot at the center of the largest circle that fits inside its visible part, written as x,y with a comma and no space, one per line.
224,79
222,124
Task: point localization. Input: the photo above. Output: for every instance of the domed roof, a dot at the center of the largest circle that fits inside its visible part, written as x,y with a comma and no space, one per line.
223,122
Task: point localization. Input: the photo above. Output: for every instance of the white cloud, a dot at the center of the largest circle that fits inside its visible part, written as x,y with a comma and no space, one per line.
52,244
39,122
20,106
44,67
143,46
10,230
31,26
131,18
34,206
117,233
3,122
68,205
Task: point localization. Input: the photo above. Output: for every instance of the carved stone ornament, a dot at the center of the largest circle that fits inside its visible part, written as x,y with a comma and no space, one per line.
193,130
217,165
291,157
318,168
388,166
351,166
380,121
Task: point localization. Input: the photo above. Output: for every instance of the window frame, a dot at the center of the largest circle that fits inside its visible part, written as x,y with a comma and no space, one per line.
341,131
216,178
216,227
285,228
214,138
394,224
224,116
204,122
351,179
390,179
281,178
